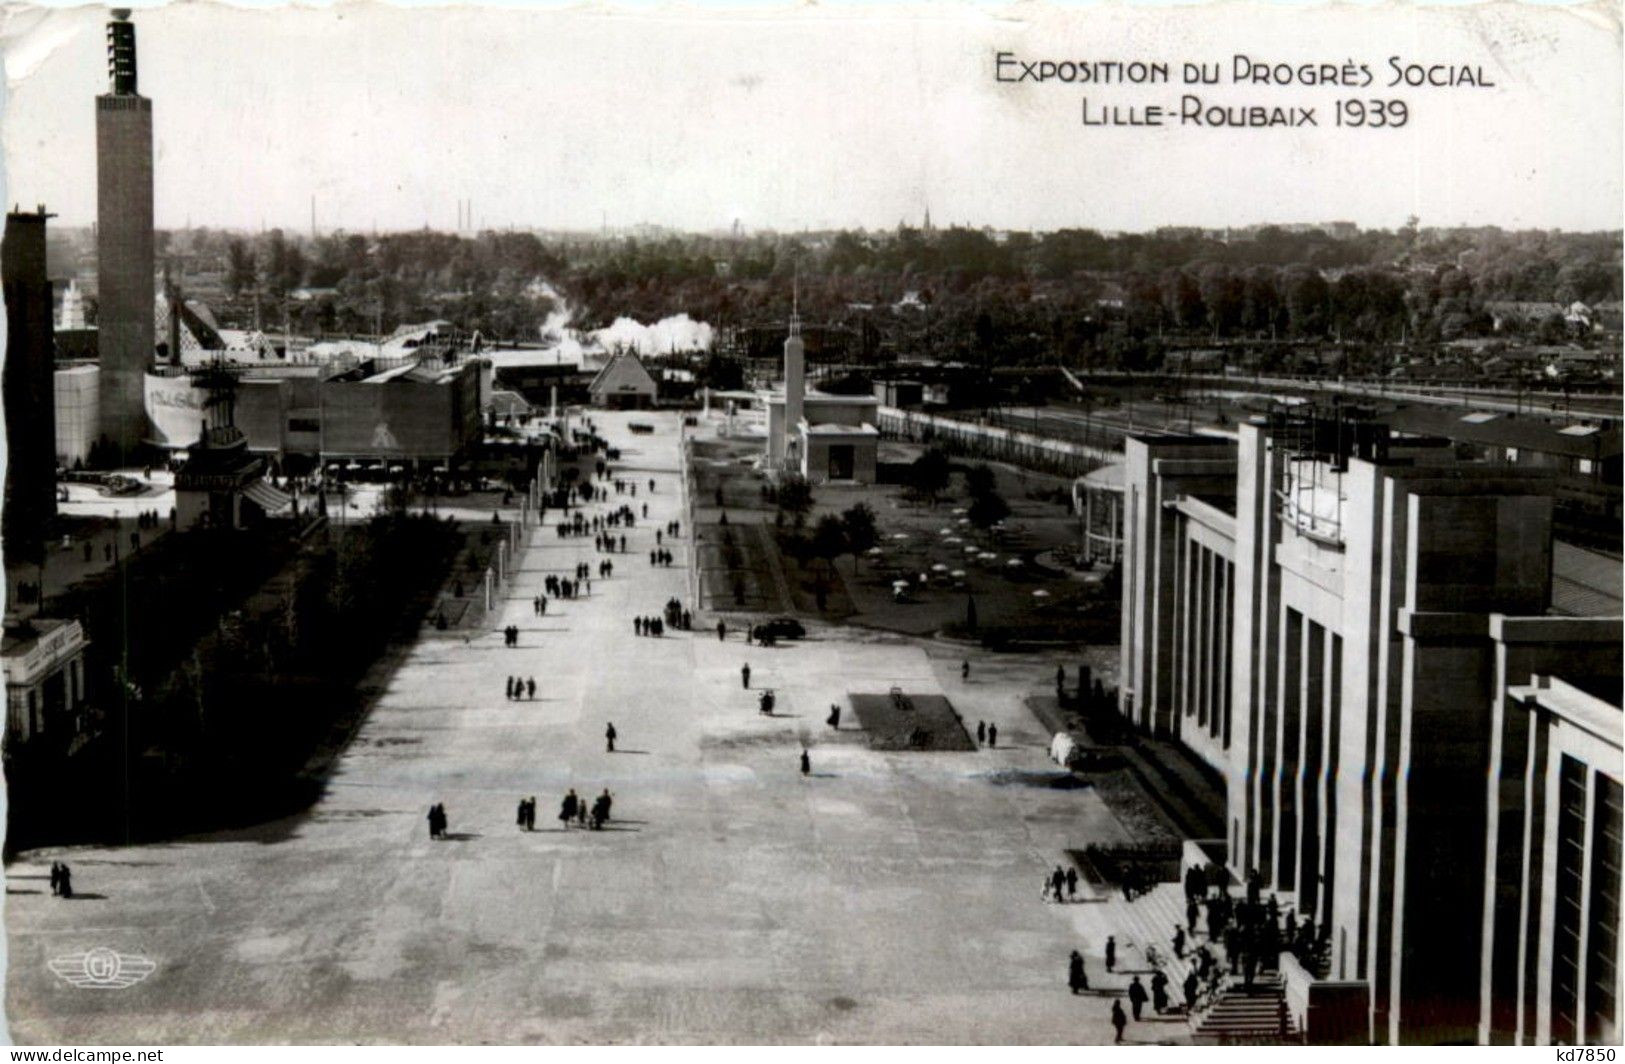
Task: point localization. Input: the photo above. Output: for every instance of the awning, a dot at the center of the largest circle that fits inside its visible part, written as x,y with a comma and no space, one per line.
268,498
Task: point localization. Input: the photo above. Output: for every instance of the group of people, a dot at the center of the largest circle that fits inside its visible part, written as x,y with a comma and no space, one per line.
521,689
61,879
576,526
562,587
608,544
510,636
677,617
1061,885
574,810
148,519
987,733
437,820
648,626
660,557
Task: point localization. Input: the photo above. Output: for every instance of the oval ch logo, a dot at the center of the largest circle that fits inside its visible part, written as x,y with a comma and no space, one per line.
102,969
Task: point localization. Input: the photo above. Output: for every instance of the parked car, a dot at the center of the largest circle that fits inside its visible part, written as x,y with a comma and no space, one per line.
781,628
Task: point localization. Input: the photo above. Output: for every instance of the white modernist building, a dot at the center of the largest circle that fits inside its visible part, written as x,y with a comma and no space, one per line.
823,437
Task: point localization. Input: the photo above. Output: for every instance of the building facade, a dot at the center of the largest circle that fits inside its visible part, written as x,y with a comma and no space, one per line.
29,388
1330,618
44,664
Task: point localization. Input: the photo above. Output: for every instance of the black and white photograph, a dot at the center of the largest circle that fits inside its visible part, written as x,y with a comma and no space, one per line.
1038,524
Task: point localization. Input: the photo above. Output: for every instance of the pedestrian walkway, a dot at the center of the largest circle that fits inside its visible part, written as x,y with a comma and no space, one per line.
882,898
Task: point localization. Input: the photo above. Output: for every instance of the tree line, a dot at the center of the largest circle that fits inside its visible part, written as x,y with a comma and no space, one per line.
1073,295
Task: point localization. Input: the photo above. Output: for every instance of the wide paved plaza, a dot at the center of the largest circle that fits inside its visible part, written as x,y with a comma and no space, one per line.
886,897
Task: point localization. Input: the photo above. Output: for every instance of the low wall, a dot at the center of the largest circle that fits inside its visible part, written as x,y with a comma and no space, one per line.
1329,1012
992,443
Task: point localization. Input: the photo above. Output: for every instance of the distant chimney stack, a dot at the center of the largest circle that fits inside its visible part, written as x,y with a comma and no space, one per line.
121,54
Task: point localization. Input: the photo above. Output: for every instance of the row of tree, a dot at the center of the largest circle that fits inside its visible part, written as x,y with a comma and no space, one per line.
1074,296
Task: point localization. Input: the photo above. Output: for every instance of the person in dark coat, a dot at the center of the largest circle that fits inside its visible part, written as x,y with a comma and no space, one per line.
64,885
520,818
1119,1020
992,736
806,763
1190,991
1076,978
1136,996
56,876
1111,952
530,688
567,810
834,719
722,631
964,669
1159,993
981,731
1071,883
1190,916
1179,941
609,737
1057,883
744,675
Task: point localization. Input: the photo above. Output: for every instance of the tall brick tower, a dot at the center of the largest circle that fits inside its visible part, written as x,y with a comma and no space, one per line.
124,244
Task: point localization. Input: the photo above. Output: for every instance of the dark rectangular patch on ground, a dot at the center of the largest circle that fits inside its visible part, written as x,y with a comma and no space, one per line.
930,725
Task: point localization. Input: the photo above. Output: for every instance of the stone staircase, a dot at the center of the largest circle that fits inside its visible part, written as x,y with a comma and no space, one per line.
1149,921
1245,1015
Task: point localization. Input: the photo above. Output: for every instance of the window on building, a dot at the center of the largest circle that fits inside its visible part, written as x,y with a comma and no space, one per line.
1571,841
1585,466
1602,935
1512,454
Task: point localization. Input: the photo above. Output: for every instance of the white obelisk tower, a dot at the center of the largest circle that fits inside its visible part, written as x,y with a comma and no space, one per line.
795,387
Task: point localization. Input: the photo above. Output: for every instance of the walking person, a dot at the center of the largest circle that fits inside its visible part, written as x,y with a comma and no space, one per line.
964,670
981,732
64,882
834,720
1111,952
609,738
1072,884
722,631
1119,1021
567,809
1076,978
806,763
744,675
992,736
530,689
1136,997
1159,993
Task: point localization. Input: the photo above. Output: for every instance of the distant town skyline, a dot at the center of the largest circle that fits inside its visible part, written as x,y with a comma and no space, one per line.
573,121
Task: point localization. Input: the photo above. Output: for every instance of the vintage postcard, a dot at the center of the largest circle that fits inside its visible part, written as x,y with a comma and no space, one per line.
1005,523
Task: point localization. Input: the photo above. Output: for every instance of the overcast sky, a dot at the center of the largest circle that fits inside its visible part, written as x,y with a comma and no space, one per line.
821,117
